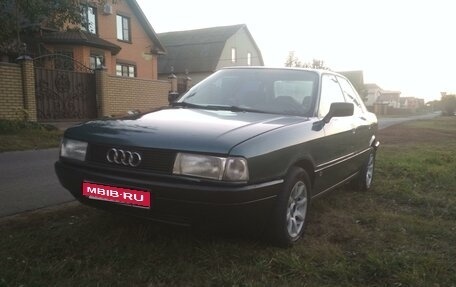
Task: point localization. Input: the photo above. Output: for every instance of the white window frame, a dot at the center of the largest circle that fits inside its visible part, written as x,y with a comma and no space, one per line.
233,55
129,67
89,22
121,29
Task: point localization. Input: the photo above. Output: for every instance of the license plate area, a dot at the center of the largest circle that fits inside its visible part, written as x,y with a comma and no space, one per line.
121,195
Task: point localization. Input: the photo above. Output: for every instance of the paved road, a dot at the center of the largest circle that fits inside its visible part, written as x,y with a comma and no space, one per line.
28,180
387,122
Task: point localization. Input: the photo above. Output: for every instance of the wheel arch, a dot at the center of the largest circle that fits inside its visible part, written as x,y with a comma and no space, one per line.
308,165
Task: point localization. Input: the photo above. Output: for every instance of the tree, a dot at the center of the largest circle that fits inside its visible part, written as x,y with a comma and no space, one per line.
21,17
448,104
434,105
293,61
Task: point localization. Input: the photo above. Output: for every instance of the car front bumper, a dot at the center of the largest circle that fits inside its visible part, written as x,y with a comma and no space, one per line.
179,202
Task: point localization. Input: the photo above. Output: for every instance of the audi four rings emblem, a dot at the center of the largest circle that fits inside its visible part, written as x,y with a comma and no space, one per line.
124,157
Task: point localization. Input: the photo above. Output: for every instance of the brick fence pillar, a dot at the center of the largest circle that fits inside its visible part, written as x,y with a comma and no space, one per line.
28,87
101,80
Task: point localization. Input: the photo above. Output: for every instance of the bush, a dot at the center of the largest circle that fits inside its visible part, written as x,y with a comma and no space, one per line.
448,104
15,126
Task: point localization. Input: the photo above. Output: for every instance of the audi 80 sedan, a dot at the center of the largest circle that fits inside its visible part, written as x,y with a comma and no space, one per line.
249,146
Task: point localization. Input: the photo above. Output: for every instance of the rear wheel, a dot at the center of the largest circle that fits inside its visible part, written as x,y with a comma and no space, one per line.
290,216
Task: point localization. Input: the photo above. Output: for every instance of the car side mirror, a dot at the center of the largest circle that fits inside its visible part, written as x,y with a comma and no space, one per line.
335,110
339,110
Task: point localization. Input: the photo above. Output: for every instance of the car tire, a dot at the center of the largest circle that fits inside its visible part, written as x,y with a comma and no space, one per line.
290,214
366,174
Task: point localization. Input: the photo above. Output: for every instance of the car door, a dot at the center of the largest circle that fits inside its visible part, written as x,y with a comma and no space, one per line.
334,150
362,131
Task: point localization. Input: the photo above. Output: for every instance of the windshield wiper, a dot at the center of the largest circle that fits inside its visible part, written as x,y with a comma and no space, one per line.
187,105
217,107
231,108
235,109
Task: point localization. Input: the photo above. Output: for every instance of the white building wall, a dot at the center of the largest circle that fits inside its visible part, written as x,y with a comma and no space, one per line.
372,95
243,45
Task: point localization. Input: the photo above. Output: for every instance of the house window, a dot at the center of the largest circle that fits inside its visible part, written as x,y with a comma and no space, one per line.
233,55
96,61
126,70
89,19
123,28
249,59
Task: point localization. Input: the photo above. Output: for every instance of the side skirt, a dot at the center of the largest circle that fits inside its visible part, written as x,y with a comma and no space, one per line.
336,185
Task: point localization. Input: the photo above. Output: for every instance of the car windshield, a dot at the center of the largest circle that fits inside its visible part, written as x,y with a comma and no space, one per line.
278,91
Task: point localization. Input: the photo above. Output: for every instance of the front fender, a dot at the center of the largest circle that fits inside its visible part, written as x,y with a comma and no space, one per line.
270,155
374,142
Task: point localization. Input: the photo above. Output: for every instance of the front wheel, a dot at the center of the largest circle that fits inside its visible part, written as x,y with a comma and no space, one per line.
290,216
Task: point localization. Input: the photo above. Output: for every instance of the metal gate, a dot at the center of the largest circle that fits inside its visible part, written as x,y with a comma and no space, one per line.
65,89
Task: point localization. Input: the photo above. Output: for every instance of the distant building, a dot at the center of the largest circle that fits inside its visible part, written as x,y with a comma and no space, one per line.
411,103
373,91
199,53
376,95
389,98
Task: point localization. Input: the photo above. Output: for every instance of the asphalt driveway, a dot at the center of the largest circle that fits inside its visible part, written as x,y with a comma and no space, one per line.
28,181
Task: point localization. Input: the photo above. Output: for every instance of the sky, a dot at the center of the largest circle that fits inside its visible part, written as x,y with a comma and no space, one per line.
400,45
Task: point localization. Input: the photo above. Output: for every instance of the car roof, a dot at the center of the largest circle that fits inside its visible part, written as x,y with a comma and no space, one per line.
318,71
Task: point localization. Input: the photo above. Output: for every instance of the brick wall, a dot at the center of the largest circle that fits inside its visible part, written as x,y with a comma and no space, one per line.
115,95
11,100
28,89
118,95
17,91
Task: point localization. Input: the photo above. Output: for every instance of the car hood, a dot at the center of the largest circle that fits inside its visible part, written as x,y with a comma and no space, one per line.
209,131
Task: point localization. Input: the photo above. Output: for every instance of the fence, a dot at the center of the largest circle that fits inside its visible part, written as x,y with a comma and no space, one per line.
118,95
114,95
17,91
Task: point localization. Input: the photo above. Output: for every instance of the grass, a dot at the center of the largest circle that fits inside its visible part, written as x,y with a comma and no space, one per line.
402,233
23,135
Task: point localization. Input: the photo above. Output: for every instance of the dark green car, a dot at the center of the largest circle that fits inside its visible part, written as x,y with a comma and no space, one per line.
245,147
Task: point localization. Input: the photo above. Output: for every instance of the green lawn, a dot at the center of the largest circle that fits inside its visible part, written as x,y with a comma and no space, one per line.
402,233
21,135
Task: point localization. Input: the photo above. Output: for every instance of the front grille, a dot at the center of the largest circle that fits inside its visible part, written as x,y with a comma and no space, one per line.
154,160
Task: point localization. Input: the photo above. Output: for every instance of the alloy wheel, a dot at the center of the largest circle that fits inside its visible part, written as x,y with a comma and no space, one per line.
296,211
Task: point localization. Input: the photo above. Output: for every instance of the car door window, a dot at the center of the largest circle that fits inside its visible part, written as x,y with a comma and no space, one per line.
330,93
300,91
351,96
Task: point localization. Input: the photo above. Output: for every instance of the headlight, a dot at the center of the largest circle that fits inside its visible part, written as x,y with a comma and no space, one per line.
212,167
73,149
236,169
